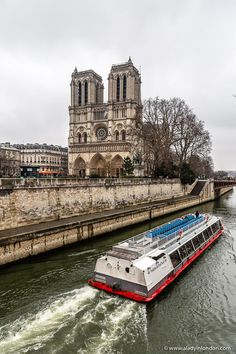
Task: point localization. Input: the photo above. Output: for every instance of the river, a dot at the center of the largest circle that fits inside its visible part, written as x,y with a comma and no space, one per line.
47,307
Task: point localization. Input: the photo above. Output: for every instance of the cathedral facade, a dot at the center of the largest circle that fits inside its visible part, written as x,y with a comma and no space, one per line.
102,134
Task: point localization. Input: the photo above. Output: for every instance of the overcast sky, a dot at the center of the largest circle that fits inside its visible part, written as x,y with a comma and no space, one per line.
185,48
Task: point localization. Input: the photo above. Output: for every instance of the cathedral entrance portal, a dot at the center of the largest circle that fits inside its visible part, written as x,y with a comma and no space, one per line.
98,166
117,166
79,167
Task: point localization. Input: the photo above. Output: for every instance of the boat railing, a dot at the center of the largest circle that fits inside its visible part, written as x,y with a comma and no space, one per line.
138,240
145,243
161,241
179,232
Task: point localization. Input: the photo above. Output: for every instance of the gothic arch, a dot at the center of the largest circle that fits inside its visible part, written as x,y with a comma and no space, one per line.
117,166
79,93
116,134
123,135
85,92
79,137
98,165
118,89
79,167
124,87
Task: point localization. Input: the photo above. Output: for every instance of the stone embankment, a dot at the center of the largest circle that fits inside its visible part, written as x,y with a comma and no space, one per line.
27,201
29,240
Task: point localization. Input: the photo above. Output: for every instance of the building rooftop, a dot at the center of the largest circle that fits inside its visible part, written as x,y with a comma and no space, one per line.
83,73
8,146
127,64
38,146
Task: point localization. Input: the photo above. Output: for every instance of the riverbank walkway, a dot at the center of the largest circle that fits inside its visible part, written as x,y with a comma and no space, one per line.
77,219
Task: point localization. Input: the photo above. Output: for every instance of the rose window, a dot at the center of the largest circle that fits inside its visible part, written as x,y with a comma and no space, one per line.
101,133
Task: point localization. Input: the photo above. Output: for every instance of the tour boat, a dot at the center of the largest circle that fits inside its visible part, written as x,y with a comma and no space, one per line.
140,267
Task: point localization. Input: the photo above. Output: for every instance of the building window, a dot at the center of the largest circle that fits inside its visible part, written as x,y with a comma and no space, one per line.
124,88
116,113
79,93
100,115
123,135
124,112
79,138
117,136
96,93
85,137
101,133
85,92
118,89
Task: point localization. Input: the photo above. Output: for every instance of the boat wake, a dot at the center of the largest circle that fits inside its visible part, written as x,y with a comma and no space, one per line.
35,329
81,252
94,321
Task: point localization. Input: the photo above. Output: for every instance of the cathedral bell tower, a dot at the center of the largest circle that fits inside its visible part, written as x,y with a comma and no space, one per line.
124,84
86,88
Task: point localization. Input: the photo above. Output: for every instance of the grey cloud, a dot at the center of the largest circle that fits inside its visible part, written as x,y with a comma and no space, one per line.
185,48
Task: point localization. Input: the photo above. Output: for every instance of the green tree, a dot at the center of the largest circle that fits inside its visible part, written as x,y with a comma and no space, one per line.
128,166
187,176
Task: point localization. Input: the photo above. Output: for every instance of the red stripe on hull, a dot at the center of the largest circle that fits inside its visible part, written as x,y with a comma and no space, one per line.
140,298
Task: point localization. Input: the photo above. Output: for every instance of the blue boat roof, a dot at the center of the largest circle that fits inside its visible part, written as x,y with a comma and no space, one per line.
176,225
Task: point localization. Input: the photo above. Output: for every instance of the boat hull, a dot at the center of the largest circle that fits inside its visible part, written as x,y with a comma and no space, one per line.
171,277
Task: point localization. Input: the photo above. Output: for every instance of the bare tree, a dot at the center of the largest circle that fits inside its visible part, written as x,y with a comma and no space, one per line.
193,139
202,167
172,135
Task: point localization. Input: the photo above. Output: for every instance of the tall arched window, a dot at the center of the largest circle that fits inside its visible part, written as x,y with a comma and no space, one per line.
123,135
79,138
85,137
79,93
117,136
124,88
97,98
85,92
118,89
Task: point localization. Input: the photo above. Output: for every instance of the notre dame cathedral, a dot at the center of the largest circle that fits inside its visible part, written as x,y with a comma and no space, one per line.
102,134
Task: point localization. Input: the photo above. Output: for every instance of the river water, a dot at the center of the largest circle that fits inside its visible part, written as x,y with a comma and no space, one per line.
46,305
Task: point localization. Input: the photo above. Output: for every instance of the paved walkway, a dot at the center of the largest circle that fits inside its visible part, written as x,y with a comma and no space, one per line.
49,225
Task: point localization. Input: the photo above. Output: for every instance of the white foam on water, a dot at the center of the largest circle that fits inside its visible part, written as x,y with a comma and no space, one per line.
82,252
35,330
127,318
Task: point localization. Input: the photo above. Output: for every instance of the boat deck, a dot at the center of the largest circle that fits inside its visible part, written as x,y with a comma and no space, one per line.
161,237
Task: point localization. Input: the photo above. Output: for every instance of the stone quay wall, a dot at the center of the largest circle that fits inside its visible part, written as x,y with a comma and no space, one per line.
32,243
24,202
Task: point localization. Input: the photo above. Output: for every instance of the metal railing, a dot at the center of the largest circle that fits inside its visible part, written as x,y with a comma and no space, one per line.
145,244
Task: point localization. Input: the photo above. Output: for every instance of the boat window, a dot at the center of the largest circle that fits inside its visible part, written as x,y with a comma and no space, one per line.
209,231
175,258
183,252
219,224
206,234
189,247
196,242
158,257
215,227
201,238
